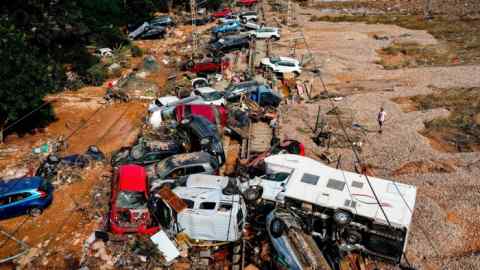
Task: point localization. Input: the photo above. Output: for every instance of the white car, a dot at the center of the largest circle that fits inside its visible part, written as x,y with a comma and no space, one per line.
104,52
266,33
282,65
162,101
227,19
250,26
210,96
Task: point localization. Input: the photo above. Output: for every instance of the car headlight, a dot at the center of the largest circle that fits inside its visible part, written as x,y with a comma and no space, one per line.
204,141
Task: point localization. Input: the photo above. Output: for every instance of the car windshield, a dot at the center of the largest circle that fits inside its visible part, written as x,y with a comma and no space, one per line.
163,168
168,114
212,96
274,59
131,199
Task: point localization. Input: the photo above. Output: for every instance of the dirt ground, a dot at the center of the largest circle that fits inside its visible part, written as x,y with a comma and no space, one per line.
445,226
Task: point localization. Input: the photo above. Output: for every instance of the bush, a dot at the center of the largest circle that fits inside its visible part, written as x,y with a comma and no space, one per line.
136,51
96,74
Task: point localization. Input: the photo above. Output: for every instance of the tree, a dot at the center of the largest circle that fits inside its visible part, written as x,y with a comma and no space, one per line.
27,77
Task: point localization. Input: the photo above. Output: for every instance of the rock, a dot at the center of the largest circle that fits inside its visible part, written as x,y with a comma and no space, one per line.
115,69
29,257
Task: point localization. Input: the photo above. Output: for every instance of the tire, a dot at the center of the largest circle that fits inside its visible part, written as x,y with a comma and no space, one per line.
252,194
353,237
342,217
237,249
137,152
296,73
275,38
35,212
277,227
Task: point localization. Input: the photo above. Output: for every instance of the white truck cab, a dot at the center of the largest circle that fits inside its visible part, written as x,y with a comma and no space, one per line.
214,212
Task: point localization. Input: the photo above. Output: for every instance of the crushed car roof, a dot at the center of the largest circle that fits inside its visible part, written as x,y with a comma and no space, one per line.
132,178
187,158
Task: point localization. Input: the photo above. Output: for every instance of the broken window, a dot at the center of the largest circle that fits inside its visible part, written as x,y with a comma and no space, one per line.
131,199
194,170
335,184
310,179
189,203
224,207
207,205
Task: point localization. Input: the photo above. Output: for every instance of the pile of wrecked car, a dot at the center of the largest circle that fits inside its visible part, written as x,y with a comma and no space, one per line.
170,185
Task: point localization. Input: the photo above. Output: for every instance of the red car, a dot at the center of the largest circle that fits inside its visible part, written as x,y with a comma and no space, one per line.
247,2
207,66
222,13
129,212
210,112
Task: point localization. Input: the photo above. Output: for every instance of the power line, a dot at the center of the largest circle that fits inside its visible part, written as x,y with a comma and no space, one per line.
26,115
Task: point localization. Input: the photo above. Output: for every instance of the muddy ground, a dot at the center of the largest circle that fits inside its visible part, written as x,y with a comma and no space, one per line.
445,232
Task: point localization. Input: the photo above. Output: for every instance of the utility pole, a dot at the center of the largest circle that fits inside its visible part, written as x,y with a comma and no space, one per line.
193,9
428,10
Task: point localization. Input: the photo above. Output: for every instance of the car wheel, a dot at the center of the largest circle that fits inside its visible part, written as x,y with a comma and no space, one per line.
252,194
35,212
275,38
342,217
277,227
353,237
296,73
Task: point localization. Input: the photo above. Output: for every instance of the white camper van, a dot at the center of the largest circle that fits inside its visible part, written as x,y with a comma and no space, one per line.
327,196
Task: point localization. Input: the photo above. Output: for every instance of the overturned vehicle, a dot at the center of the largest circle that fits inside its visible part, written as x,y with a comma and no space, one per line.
341,207
215,210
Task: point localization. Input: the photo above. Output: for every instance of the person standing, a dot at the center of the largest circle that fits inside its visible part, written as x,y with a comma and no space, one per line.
381,119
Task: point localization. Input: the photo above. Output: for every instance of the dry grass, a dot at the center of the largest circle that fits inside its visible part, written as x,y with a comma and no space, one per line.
462,37
462,128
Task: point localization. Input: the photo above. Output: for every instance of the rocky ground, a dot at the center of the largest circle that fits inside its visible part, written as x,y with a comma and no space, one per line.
444,230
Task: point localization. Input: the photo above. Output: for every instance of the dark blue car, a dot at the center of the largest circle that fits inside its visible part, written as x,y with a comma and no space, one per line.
27,195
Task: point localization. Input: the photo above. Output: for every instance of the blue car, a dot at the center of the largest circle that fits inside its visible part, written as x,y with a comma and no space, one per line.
232,26
27,195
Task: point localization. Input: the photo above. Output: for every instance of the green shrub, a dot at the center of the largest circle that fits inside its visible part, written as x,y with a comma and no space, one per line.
96,74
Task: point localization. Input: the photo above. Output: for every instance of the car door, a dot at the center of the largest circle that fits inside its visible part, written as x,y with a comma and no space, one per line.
4,206
18,203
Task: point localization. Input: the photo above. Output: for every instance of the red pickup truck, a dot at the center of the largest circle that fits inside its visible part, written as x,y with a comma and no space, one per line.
222,13
208,66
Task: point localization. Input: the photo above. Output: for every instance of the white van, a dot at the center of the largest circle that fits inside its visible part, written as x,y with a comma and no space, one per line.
215,211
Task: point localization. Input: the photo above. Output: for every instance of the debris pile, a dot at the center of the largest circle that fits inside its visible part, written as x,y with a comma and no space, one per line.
210,184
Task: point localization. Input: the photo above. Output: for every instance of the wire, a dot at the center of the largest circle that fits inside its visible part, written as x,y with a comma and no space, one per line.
27,115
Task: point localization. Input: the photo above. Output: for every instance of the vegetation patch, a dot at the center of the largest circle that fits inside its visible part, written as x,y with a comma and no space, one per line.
461,36
460,131
411,54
